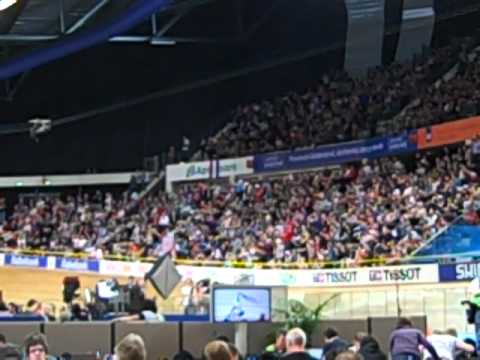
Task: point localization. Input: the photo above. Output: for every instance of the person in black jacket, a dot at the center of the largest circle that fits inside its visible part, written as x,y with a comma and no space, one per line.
334,344
370,349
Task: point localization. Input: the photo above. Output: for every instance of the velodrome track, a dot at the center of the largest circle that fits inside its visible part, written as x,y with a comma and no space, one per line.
440,302
21,284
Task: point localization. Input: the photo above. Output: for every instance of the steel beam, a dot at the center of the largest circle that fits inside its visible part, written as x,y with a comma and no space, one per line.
181,39
153,21
87,16
171,23
61,8
157,39
154,40
26,38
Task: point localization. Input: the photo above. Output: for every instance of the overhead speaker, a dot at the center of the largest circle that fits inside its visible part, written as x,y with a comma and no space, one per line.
164,276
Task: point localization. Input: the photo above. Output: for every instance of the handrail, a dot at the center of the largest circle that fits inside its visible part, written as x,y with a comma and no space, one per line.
242,264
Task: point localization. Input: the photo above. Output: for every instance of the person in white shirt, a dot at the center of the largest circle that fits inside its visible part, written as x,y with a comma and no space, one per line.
447,344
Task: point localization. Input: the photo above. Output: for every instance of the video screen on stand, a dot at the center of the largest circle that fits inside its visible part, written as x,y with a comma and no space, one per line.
241,304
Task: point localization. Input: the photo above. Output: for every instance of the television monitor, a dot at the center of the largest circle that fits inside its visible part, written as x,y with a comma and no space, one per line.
107,289
241,304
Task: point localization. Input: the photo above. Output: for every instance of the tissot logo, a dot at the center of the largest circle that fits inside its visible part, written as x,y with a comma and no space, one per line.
336,277
376,275
408,274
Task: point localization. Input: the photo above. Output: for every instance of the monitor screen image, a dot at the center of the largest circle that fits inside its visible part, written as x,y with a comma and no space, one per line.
107,289
241,304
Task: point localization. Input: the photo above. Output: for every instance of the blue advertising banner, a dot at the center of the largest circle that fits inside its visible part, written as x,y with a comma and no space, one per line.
77,264
26,261
459,272
336,154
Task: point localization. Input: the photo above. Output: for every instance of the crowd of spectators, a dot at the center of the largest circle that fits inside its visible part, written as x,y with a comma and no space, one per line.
380,208
452,98
406,341
338,108
72,223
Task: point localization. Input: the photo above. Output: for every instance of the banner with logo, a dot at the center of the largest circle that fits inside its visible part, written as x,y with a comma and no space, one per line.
408,274
80,265
336,154
214,169
387,275
459,272
26,261
448,133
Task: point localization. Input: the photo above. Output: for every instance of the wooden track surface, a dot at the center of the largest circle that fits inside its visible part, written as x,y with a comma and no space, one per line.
20,285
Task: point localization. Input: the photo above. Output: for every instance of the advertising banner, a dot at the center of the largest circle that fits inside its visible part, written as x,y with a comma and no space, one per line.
388,275
335,154
448,133
26,261
77,264
408,274
214,169
459,272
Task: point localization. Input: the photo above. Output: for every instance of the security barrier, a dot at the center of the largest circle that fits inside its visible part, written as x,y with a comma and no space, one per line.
164,340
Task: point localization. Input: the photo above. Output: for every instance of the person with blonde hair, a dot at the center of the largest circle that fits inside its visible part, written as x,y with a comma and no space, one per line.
217,350
131,347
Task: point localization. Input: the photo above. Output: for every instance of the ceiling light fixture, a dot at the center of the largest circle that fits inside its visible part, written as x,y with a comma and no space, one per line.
4,4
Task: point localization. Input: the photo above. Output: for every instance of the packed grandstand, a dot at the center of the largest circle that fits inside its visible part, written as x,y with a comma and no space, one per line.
381,208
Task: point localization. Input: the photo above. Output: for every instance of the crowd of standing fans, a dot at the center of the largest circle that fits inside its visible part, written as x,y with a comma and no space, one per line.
406,342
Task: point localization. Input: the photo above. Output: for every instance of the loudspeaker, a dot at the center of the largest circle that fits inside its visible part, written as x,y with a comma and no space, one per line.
164,276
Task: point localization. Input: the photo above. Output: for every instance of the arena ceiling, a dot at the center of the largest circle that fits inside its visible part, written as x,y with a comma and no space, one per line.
180,45
188,41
